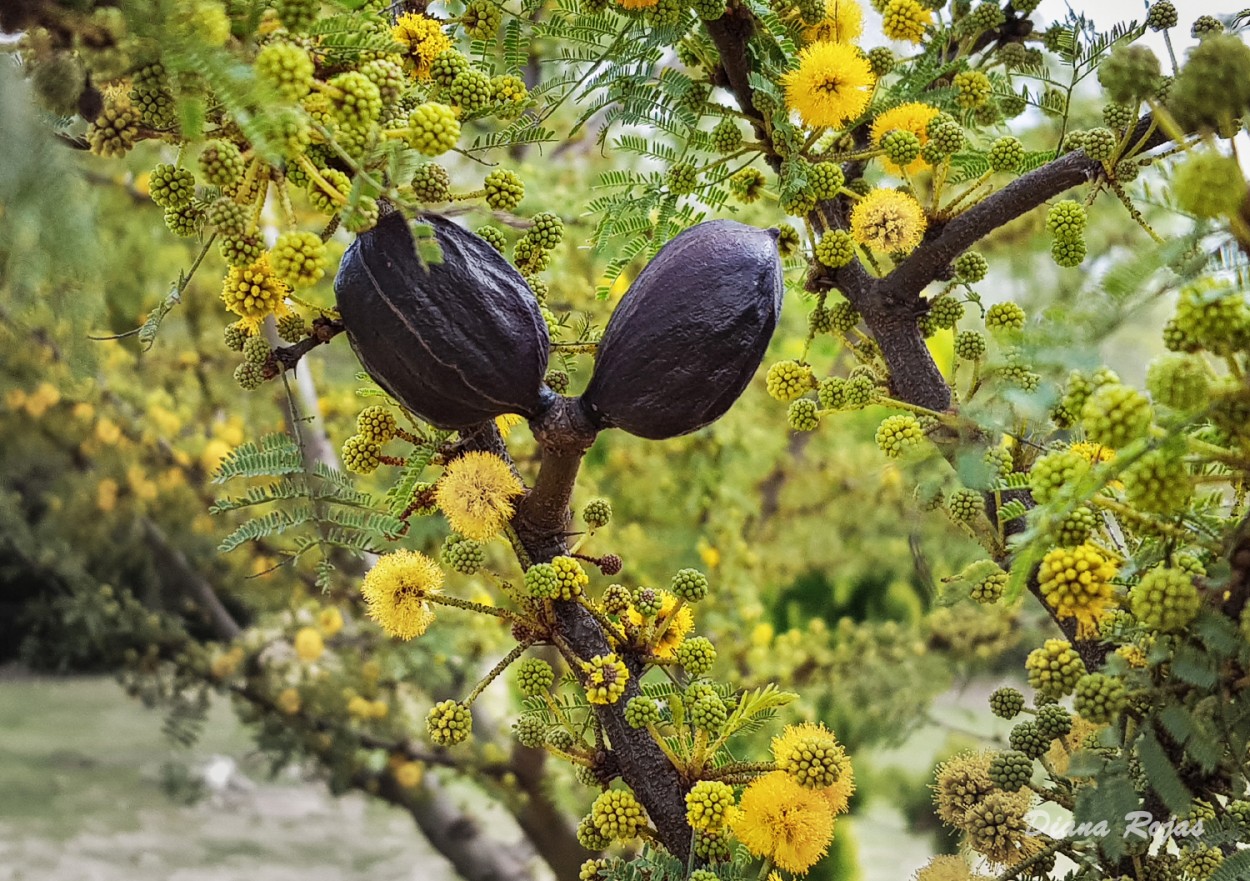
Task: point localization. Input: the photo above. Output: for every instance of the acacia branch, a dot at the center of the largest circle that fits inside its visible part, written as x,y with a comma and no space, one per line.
541,522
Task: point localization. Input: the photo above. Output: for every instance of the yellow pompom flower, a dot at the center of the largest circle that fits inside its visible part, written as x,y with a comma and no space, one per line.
782,821
675,631
476,493
637,4
1076,583
905,20
811,754
962,783
395,592
888,221
423,40
308,644
330,621
911,117
831,85
843,23
254,292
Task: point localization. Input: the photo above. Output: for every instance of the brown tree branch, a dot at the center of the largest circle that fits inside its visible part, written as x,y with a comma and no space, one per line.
542,519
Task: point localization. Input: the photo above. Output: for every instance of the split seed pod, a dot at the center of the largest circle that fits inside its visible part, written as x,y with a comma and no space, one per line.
457,342
690,333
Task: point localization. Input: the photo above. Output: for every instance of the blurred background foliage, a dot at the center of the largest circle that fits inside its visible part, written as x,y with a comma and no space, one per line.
827,575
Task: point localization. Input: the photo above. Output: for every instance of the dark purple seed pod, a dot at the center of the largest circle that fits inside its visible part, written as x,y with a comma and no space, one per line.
690,333
457,342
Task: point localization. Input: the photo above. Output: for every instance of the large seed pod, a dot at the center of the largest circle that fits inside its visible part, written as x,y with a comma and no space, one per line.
690,333
456,342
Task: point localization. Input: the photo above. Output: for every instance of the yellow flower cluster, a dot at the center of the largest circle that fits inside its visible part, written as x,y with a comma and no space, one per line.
423,40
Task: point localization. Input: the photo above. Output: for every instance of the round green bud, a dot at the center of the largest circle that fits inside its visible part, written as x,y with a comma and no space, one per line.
1054,668
970,345
448,723
1099,698
971,267
683,179
221,164
1028,739
504,190
1068,253
1158,483
1006,154
696,655
1100,144
1165,600
901,147
361,455
1006,703
433,129
726,136
788,380
256,350
1207,184
534,676
1179,381
471,90
802,415
690,585
1116,415
249,376
1053,721
747,185
1011,770
899,434
641,711
463,555
1004,317
1161,16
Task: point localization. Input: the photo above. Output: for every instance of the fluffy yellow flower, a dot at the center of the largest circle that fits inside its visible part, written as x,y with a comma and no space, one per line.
395,592
423,39
637,4
888,221
905,20
911,117
476,493
812,755
675,632
308,644
782,821
843,23
831,85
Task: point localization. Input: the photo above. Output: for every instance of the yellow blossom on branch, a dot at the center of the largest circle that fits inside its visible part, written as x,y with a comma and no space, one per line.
888,221
782,821
831,85
423,40
395,592
476,493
